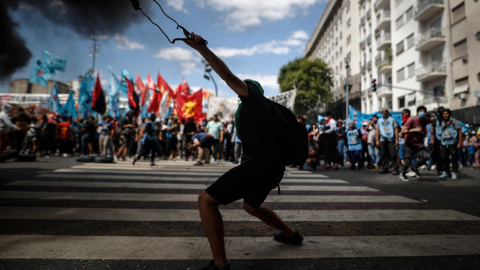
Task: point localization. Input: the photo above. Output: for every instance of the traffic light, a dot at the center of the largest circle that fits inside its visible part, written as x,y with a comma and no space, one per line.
374,85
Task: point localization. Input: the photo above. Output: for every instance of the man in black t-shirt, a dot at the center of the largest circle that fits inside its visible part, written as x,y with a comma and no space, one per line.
259,173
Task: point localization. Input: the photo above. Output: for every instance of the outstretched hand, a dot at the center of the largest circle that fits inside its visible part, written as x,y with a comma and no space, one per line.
196,43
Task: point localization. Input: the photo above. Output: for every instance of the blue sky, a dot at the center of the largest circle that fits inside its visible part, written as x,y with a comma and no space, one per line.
254,38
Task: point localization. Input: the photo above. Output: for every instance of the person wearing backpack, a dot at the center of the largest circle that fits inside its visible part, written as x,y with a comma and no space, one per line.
354,142
263,126
148,141
436,139
415,131
451,141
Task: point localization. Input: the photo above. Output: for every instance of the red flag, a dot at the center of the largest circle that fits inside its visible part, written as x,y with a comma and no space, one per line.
206,94
98,98
190,105
183,88
162,84
150,83
141,88
154,105
133,99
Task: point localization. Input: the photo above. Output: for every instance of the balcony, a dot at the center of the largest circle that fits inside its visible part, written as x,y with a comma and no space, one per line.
364,68
362,45
383,20
427,8
369,64
384,41
362,20
385,66
369,39
432,71
381,4
369,14
430,39
384,91
378,59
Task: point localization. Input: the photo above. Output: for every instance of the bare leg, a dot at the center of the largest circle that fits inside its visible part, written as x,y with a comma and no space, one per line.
270,218
200,154
207,154
212,223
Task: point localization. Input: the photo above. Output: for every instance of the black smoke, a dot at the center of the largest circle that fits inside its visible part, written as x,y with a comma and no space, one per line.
85,17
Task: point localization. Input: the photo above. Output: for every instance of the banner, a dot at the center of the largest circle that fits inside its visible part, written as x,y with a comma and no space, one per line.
30,99
190,105
98,98
225,107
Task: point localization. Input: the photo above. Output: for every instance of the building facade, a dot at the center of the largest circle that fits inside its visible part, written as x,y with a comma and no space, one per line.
335,40
419,52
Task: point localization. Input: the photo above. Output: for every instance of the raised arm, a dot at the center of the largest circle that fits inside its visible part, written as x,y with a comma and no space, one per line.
237,85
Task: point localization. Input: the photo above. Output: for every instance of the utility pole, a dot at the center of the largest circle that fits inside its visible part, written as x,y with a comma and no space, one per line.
94,51
347,89
208,70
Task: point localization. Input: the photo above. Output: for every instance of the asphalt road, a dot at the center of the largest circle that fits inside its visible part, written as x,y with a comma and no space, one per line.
59,214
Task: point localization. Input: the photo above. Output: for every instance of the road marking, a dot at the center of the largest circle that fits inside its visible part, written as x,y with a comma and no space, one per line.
118,214
154,197
245,248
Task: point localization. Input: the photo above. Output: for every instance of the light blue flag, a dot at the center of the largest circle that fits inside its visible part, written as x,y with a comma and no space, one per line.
53,61
85,95
69,107
40,73
53,103
123,82
113,94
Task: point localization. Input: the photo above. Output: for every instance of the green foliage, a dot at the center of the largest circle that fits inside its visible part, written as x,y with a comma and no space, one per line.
313,88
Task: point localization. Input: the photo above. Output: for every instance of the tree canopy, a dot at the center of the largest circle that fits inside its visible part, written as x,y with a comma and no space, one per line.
313,82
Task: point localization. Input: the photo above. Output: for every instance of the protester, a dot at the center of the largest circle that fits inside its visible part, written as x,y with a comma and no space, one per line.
474,149
330,149
106,134
148,141
451,141
215,128
341,138
387,140
63,136
255,177
202,141
435,140
312,159
171,135
127,134
189,130
5,126
354,146
415,132
373,150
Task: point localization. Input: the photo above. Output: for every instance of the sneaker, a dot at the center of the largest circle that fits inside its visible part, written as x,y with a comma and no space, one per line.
403,177
444,175
433,167
134,160
454,176
410,174
213,266
423,167
395,172
199,163
235,162
207,162
153,165
297,239
376,166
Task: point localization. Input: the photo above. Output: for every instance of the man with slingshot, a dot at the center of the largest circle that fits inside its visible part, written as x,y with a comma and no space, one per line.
260,170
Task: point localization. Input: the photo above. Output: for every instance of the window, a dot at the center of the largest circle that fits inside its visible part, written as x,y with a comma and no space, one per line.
399,47
461,86
411,70
460,49
410,41
401,102
458,13
412,100
409,13
349,22
399,21
400,75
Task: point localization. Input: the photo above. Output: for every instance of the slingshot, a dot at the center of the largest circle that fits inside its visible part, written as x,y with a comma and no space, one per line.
136,6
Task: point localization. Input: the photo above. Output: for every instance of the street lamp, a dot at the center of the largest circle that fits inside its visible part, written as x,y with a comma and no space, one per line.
208,75
347,85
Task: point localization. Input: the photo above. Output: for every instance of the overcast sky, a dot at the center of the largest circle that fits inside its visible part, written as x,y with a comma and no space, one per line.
254,38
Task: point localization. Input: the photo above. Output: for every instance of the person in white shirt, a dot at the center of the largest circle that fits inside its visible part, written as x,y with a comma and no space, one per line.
330,150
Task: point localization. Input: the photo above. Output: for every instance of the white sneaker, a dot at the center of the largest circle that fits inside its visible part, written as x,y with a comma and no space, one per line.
433,167
410,174
423,167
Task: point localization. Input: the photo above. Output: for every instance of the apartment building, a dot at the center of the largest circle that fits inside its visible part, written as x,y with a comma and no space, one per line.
420,52
335,40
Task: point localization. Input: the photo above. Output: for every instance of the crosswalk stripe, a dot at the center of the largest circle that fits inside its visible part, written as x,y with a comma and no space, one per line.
197,179
194,197
246,248
116,214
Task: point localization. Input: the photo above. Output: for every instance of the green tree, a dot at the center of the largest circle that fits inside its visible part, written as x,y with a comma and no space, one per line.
313,82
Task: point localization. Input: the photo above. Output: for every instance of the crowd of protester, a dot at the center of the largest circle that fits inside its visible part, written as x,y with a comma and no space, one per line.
432,141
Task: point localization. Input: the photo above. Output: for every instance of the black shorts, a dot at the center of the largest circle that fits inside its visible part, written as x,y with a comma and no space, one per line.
207,142
172,143
252,180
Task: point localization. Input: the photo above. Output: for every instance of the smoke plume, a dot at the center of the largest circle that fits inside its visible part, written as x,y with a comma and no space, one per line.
85,17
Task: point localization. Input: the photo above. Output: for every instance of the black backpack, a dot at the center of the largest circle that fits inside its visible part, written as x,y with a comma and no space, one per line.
290,134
